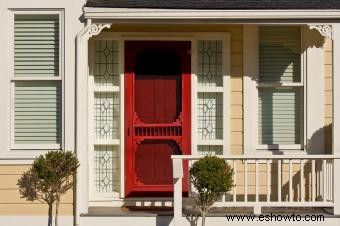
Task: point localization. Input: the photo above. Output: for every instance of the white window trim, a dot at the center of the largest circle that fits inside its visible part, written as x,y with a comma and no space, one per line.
312,119
113,198
39,148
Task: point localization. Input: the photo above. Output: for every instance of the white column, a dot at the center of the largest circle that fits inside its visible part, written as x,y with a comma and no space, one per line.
81,127
336,115
82,186
250,76
177,168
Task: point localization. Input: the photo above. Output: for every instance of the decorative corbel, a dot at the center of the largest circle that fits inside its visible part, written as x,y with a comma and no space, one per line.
94,29
324,30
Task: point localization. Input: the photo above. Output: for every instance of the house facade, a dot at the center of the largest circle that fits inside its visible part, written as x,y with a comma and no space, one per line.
139,90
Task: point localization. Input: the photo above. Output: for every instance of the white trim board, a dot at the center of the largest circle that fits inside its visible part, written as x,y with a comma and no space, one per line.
173,14
34,220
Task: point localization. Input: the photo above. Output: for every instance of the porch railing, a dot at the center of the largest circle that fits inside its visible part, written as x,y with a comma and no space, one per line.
275,181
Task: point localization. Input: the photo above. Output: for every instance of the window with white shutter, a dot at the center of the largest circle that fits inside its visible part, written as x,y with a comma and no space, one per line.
37,82
280,88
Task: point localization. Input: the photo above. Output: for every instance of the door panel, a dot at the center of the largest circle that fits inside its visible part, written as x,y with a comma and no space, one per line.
157,98
157,152
157,119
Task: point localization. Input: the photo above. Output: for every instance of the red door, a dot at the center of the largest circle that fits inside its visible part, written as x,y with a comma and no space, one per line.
157,114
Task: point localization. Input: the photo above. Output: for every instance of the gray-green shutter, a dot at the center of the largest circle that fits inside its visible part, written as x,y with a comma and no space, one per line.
279,115
36,45
37,113
37,104
279,120
280,54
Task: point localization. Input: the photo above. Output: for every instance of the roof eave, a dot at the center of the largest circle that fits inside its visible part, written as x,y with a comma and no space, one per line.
194,14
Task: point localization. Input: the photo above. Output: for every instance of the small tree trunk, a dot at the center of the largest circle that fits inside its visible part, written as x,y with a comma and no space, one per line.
50,209
56,211
203,218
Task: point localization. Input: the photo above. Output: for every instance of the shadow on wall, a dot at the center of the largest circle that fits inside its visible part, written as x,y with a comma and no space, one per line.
325,132
307,177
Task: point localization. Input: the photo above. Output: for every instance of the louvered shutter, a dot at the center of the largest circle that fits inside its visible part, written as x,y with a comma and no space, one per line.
279,116
37,101
280,54
36,42
37,113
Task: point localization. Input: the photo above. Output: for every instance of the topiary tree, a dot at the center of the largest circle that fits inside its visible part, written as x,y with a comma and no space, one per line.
212,177
50,176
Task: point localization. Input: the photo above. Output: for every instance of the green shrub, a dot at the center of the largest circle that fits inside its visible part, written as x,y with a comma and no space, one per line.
50,176
212,177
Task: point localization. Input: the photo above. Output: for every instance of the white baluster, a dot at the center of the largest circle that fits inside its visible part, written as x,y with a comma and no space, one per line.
279,180
256,180
324,182
234,179
313,187
268,181
290,181
246,180
302,181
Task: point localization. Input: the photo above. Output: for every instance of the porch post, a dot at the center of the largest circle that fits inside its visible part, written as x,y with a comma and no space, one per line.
82,184
177,168
336,115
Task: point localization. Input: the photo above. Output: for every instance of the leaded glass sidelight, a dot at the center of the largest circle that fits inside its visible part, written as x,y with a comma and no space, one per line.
209,59
210,116
106,168
105,146
106,65
106,116
211,81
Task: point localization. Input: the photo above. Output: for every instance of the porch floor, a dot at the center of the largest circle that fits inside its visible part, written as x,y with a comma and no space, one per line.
215,212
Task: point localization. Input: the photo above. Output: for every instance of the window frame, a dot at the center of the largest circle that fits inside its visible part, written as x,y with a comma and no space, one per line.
301,85
60,79
250,96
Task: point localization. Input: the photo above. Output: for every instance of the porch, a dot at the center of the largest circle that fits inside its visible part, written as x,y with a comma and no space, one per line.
295,176
267,189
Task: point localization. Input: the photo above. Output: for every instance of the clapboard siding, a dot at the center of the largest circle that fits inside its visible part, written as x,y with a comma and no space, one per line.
12,204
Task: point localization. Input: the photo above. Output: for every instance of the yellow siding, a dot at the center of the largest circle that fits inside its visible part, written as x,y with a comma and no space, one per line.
12,204
328,95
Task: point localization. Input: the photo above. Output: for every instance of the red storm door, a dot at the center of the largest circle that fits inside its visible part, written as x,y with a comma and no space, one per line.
157,114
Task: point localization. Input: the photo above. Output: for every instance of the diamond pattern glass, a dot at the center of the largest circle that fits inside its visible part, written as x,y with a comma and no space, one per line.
106,115
210,116
209,63
106,168
106,65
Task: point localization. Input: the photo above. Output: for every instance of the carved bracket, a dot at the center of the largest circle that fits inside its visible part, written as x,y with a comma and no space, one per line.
95,29
324,30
